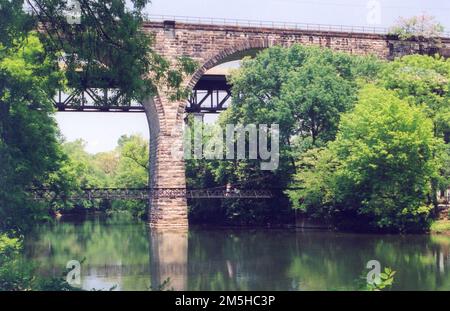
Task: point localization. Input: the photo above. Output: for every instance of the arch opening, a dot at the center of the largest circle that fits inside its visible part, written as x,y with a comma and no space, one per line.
210,89
166,119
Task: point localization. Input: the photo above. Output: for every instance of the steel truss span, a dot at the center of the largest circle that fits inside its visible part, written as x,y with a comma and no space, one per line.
94,100
212,94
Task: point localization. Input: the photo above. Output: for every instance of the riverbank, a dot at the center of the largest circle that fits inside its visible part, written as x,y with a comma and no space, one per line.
441,227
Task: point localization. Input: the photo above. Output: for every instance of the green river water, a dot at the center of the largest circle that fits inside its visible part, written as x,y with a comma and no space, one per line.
125,254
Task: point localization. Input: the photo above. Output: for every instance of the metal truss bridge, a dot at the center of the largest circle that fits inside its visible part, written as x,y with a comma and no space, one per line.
146,193
211,94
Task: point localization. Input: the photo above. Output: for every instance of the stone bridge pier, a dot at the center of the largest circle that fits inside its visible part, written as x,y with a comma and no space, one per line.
211,45
166,167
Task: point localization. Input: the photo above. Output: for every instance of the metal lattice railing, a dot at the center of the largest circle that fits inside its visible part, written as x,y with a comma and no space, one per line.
272,24
146,193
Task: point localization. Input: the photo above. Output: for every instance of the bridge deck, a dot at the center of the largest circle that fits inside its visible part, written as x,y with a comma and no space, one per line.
262,25
146,193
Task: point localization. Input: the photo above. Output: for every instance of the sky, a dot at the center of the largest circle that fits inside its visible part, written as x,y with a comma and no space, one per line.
102,130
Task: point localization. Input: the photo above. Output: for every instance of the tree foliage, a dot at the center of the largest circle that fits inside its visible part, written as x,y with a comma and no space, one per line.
132,172
108,48
378,171
423,80
42,50
303,90
132,167
29,149
421,26
124,167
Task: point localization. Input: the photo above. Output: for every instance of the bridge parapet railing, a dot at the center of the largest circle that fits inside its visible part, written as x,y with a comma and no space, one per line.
272,24
267,24
145,193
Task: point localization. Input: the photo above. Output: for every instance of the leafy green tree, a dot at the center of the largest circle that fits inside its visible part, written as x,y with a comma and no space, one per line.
378,171
84,166
304,90
14,22
108,48
316,94
124,167
132,171
107,162
78,171
425,81
132,168
29,149
424,26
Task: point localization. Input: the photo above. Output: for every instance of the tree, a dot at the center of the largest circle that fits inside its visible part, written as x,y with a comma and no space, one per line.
108,48
29,149
303,90
424,81
422,26
132,172
378,172
85,167
43,52
132,168
124,167
14,23
316,95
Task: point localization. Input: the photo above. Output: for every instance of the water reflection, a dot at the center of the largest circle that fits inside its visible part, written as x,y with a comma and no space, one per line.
115,251
168,258
125,253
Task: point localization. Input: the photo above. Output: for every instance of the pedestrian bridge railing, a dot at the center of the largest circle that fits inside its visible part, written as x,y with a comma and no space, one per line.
147,193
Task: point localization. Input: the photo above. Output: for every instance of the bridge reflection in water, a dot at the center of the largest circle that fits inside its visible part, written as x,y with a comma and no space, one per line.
168,258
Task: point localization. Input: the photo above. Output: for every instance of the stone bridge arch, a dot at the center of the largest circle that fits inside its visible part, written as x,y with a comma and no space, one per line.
235,52
211,45
165,119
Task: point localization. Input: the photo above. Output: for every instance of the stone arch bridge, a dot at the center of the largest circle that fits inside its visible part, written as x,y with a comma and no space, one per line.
213,42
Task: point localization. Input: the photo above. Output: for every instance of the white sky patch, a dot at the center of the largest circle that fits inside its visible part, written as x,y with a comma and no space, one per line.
330,12
101,130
